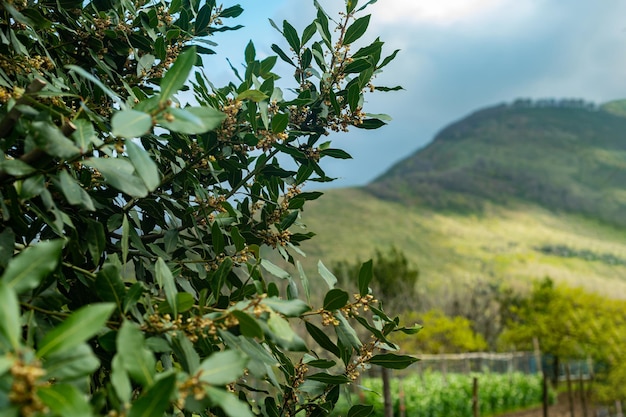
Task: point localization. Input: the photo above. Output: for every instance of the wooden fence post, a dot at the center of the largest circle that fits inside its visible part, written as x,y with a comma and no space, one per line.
475,405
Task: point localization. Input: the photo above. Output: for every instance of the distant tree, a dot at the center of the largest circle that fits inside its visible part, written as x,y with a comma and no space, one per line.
393,277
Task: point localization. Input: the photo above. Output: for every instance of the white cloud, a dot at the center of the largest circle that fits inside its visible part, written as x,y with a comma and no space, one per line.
432,11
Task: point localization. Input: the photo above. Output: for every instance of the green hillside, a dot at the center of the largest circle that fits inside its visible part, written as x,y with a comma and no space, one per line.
508,195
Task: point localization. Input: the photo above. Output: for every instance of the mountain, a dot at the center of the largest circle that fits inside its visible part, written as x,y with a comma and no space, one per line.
507,195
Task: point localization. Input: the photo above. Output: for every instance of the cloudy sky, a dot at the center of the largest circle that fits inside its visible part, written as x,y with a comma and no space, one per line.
457,56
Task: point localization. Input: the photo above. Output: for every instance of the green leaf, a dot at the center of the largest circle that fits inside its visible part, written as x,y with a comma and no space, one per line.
350,5
282,333
74,192
80,326
336,153
229,403
289,220
125,238
64,400
410,330
321,363
192,120
308,33
10,326
282,54
120,380
16,168
366,273
393,361
388,59
335,299
119,173
289,308
248,325
322,339
203,18
252,95
130,123
109,285
33,264
280,122
356,30
52,141
71,365
238,240
176,76
185,353
346,334
232,11
250,53
145,167
184,302
217,238
222,368
138,361
328,276
155,400
85,74
7,245
274,270
360,410
371,124
329,379
291,35
165,279
305,282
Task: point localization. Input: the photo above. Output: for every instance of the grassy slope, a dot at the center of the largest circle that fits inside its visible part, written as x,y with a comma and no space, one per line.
452,250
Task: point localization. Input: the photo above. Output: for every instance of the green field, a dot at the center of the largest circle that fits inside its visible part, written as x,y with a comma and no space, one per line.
512,246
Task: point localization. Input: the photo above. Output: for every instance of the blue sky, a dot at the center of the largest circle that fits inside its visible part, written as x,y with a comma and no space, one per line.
456,56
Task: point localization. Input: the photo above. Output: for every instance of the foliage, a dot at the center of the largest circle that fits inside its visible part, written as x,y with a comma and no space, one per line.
570,323
394,278
132,281
441,334
430,394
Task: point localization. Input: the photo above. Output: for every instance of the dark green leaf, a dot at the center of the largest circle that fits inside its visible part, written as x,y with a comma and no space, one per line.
335,299
308,33
321,363
360,410
371,124
329,379
238,240
291,35
336,153
350,5
16,167
388,59
356,30
410,330
109,286
396,88
366,274
7,245
393,361
217,238
176,76
358,65
203,18
250,53
155,400
248,325
289,220
280,122
32,265
80,326
282,54
71,365
322,339
52,141
232,11
183,301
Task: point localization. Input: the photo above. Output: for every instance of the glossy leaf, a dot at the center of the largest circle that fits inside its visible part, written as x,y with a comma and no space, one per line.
119,173
176,76
282,55
156,399
393,361
329,379
145,167
356,30
322,339
131,123
335,299
32,265
366,273
248,325
360,410
79,327
109,286
291,35
222,368
136,359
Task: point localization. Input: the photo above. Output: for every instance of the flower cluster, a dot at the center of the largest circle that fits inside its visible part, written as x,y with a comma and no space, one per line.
24,387
362,302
